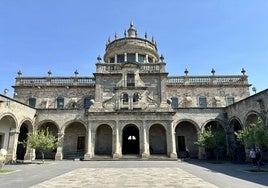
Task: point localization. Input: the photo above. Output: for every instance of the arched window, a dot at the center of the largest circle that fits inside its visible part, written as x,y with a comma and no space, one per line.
141,58
125,98
32,102
131,58
136,97
120,58
60,102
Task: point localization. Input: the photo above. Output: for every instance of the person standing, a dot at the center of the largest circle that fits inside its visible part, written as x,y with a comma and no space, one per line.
252,156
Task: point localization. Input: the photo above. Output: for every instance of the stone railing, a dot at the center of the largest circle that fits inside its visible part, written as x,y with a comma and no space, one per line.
207,80
117,67
54,81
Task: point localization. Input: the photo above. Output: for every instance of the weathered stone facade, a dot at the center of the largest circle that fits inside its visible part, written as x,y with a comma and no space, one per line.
129,107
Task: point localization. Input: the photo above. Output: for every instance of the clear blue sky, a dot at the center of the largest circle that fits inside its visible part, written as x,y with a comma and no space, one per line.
65,35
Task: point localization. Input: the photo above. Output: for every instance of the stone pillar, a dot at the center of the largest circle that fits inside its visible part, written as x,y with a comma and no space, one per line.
12,145
146,58
88,154
125,57
29,154
136,57
173,153
115,58
59,155
130,102
117,153
145,153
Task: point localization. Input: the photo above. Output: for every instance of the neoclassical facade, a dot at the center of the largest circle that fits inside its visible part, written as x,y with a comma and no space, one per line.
129,107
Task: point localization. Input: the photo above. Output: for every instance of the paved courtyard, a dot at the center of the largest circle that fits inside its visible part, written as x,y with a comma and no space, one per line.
132,174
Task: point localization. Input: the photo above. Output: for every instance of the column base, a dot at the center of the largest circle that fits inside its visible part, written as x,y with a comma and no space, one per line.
30,156
116,156
87,157
173,155
58,156
145,155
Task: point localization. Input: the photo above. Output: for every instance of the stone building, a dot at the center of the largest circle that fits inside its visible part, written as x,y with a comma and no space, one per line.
129,107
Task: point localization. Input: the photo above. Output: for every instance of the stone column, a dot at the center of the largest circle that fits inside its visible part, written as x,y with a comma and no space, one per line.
117,153
173,153
88,154
59,155
130,102
29,154
12,145
145,153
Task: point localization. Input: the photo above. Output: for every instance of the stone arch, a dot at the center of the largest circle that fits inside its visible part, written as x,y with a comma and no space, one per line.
25,128
217,127
252,117
29,123
215,124
53,130
235,149
8,133
41,123
234,126
157,139
12,118
186,134
66,124
197,127
8,122
104,140
74,140
131,139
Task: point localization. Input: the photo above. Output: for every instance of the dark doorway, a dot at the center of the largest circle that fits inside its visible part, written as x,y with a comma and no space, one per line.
131,143
104,140
181,144
21,150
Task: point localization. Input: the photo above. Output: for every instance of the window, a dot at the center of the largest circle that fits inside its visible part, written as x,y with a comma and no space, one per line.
131,58
120,58
150,60
141,58
136,97
112,60
131,138
60,102
125,98
32,102
87,102
202,102
130,80
230,100
174,102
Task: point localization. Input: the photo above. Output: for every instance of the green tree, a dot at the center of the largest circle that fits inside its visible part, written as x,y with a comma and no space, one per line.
254,135
42,140
212,141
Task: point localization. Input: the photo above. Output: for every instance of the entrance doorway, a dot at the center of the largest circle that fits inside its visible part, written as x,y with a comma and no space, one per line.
131,141
21,150
181,144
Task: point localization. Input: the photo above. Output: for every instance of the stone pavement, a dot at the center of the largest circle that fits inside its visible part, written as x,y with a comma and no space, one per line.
126,177
127,173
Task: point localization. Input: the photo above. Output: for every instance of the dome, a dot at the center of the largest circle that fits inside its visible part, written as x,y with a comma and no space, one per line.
131,48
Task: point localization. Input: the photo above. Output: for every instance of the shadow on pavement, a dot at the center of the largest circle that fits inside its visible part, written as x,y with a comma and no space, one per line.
234,170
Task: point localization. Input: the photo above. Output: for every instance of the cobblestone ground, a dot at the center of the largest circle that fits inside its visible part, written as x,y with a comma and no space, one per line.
126,177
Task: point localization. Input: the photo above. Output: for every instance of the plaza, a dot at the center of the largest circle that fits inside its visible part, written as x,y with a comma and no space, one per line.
126,173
